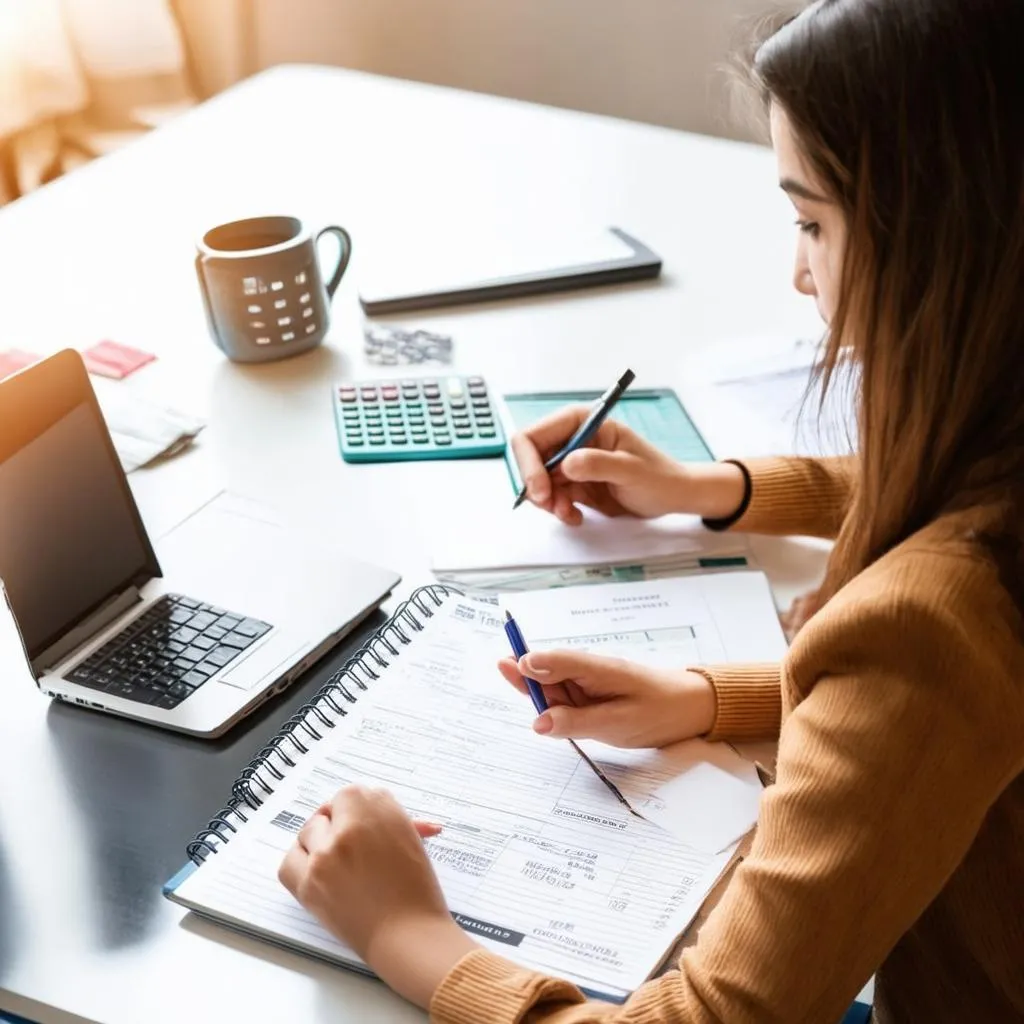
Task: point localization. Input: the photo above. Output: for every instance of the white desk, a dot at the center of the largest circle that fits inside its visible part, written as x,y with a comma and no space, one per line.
107,253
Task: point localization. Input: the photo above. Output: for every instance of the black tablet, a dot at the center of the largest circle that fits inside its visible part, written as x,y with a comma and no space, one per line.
500,268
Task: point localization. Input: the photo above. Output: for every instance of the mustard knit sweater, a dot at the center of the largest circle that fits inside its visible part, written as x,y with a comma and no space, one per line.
892,840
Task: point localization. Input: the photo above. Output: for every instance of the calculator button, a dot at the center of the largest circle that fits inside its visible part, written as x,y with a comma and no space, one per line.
431,391
419,431
420,439
474,380
399,439
458,403
377,440
354,442
369,394
463,432
487,432
416,418
442,439
454,387
374,432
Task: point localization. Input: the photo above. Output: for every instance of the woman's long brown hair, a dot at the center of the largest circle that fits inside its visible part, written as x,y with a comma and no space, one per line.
911,114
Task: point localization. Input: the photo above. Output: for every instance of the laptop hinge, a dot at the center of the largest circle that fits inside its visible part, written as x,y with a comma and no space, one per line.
107,613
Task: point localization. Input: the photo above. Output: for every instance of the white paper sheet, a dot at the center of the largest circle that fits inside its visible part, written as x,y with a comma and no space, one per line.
749,396
703,792
672,622
531,538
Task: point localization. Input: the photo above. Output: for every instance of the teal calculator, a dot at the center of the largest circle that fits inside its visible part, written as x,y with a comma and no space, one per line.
417,418
654,413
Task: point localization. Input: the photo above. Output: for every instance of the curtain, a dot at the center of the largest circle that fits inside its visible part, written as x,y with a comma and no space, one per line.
79,78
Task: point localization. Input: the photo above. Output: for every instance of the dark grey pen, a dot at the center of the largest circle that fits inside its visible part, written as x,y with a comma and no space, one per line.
588,428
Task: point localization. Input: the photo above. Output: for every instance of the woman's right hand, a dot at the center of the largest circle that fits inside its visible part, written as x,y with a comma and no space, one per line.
619,473
615,701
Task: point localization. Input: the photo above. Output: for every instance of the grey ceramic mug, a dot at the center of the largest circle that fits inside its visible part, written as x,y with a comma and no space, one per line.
263,291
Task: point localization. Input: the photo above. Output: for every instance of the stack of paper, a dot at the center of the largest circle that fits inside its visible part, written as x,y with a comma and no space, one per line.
536,858
755,396
143,430
531,549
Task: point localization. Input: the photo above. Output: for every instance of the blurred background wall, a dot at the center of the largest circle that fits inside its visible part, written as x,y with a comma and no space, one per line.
660,61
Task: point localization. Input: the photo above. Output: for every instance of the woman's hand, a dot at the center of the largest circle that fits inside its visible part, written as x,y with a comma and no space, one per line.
359,866
615,701
619,473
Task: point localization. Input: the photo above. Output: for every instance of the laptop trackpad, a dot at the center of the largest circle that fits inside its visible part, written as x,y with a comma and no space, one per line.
267,662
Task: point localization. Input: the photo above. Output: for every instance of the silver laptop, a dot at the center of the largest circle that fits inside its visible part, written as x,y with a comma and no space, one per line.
240,608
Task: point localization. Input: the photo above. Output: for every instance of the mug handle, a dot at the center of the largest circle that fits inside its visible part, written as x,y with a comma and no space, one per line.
345,254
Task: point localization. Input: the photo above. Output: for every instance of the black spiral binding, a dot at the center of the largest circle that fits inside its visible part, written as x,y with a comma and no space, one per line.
312,719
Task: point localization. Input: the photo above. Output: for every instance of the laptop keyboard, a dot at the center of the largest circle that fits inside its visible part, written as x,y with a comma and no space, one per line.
168,652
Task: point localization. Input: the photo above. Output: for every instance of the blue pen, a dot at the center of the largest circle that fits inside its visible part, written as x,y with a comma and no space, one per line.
519,648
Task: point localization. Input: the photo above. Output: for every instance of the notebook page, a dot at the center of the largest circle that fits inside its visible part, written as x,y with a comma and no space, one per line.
537,859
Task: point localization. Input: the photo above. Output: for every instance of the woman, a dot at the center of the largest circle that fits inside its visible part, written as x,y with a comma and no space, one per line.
893,837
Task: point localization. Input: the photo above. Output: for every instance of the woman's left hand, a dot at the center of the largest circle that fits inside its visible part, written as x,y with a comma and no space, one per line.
359,866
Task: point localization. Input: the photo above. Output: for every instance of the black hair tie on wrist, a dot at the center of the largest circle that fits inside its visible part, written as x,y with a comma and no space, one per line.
748,486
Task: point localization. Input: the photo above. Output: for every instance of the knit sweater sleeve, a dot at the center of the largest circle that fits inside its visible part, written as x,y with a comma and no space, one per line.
748,701
873,794
800,496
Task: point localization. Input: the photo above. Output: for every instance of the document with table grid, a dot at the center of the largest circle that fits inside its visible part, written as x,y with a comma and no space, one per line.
536,857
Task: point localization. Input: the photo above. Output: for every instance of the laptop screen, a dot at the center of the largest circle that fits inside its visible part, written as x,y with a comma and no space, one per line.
69,534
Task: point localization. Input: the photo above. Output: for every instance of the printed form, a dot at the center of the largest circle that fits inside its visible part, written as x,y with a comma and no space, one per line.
537,859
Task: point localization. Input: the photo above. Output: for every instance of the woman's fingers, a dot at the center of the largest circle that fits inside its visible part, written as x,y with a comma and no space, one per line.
555,692
592,672
426,829
507,667
594,721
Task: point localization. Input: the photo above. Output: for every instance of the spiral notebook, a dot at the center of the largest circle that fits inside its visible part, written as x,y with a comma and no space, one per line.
537,859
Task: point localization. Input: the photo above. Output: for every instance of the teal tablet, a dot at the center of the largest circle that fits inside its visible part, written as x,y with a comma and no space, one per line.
654,413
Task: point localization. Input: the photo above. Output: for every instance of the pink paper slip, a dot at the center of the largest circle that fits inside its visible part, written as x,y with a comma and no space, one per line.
109,359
